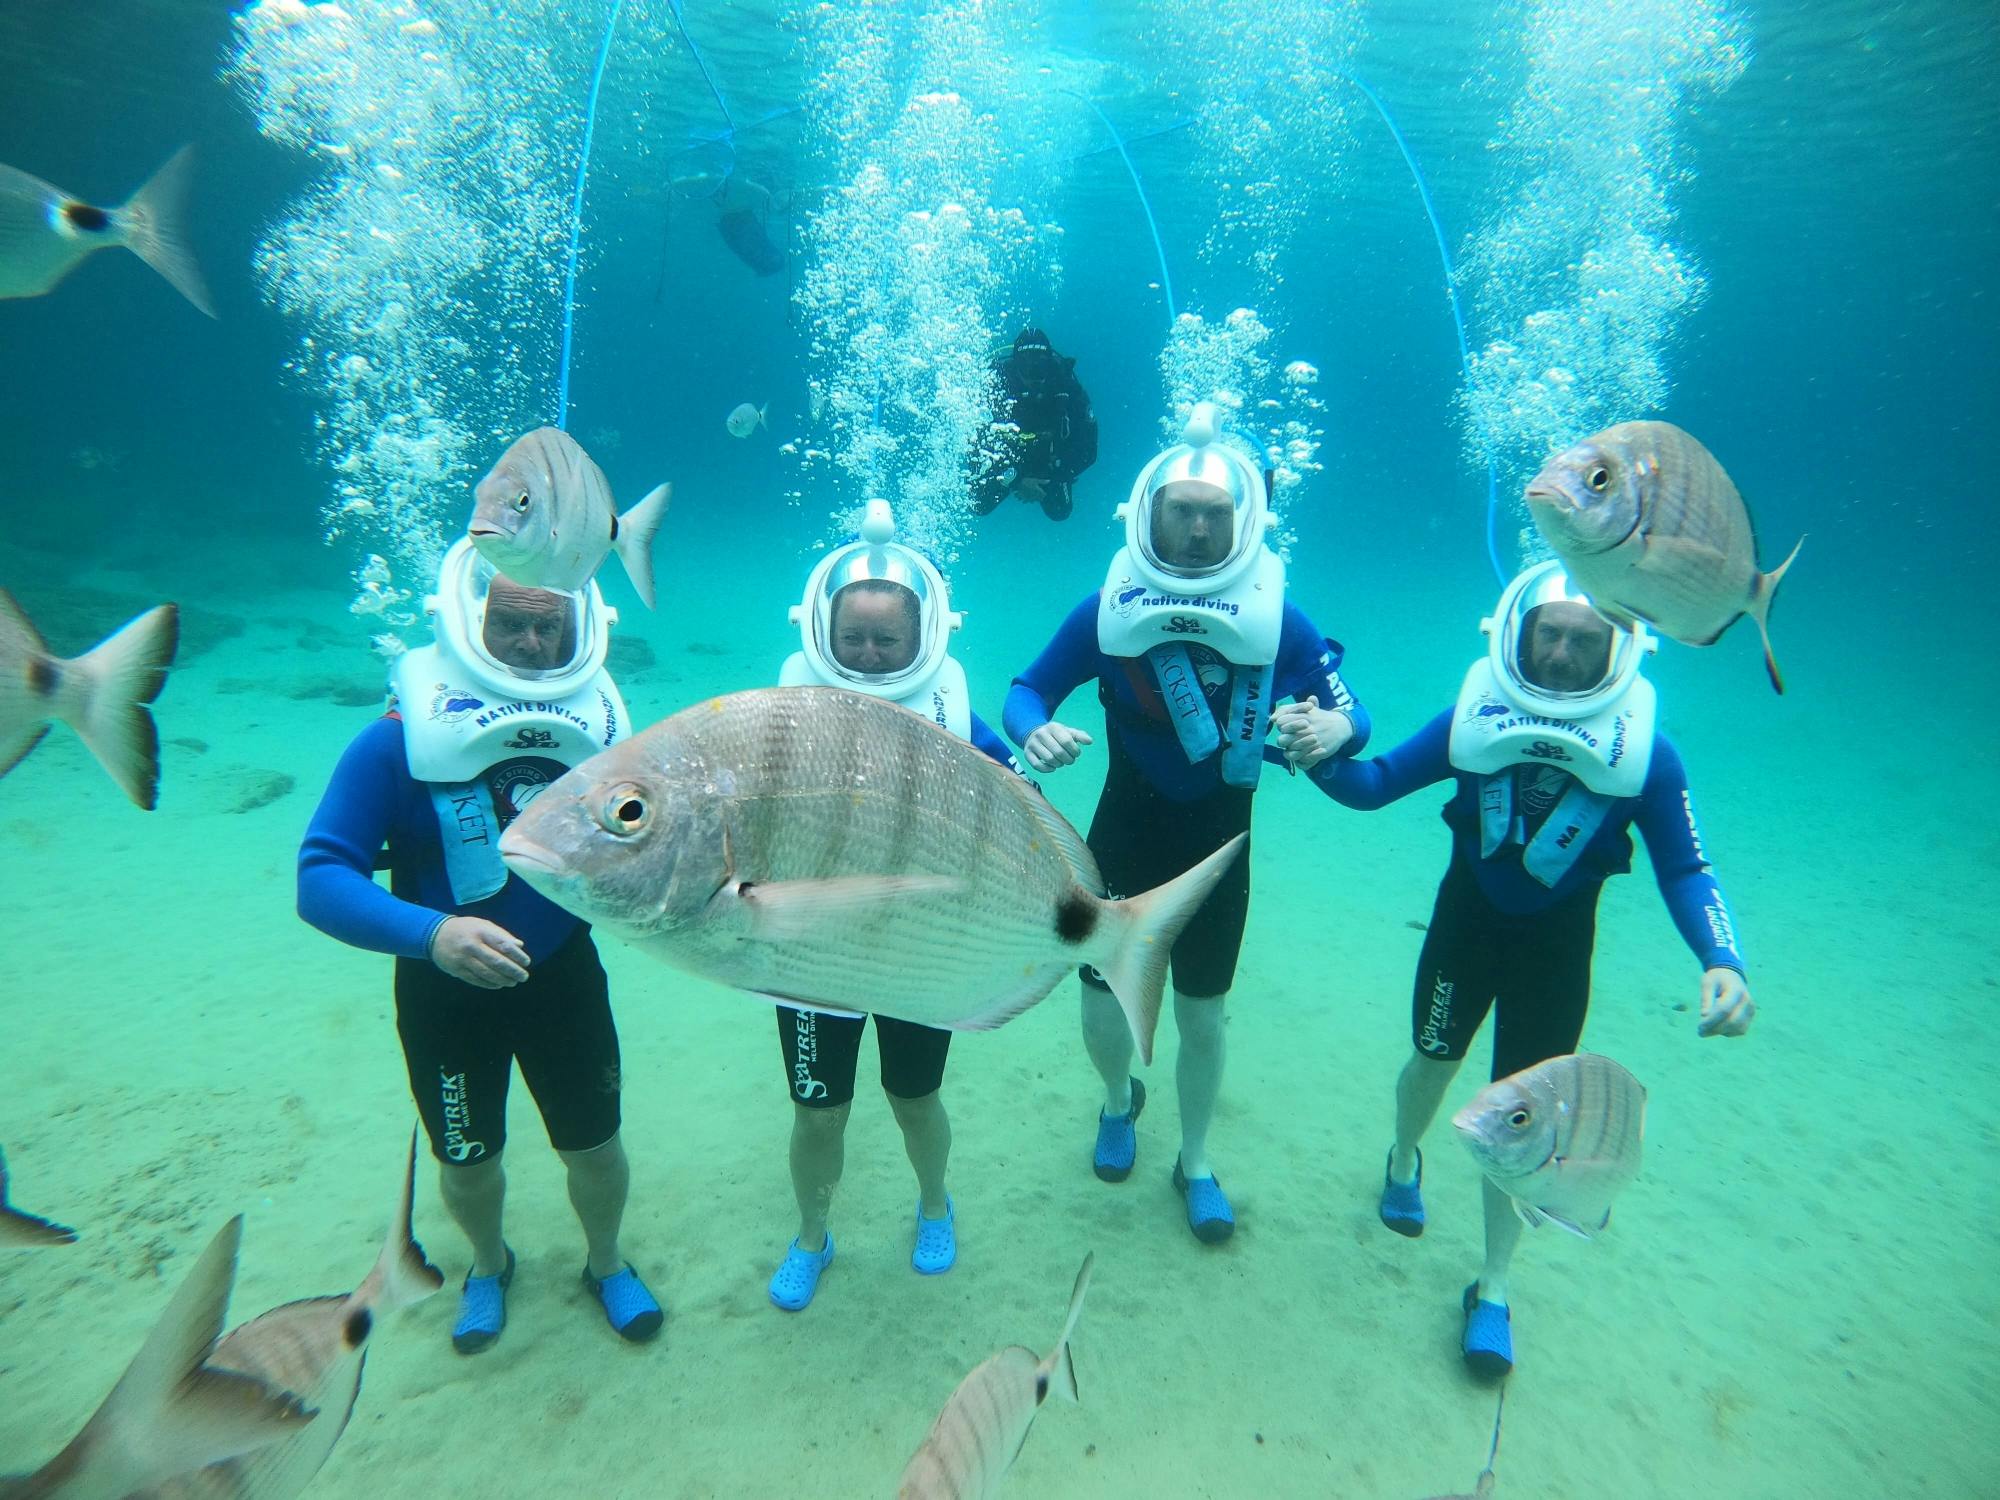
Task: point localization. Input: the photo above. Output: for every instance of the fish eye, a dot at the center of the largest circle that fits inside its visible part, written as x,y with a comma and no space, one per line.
1599,479
624,811
1518,1118
521,502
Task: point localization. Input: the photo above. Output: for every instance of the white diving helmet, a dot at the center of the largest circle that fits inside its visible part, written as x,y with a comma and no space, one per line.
458,612
877,558
1201,466
1509,631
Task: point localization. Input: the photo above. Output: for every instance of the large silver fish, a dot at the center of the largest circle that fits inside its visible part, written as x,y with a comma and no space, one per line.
170,1412
317,1349
102,694
544,517
1561,1138
982,1427
1650,527
831,850
26,1231
45,232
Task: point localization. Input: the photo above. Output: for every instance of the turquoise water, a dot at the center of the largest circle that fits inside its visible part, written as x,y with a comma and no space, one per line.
1791,212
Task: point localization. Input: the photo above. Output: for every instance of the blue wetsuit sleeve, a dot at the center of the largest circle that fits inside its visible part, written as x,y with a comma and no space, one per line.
984,739
1066,663
1308,666
337,889
1421,760
1673,842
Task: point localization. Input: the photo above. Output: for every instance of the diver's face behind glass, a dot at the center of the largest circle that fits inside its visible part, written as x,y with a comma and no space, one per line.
874,628
1566,647
1194,526
526,629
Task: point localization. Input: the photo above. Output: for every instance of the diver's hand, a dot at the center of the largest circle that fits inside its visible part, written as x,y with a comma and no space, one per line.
1308,734
1054,746
479,952
1726,1006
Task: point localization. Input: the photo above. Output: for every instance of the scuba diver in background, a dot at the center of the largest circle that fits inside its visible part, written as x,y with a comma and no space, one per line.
1045,435
488,971
742,215
1553,748
1190,641
876,619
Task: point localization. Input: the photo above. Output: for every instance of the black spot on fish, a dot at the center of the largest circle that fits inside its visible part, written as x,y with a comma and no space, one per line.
44,676
360,1323
83,216
1076,917
1041,1388
614,528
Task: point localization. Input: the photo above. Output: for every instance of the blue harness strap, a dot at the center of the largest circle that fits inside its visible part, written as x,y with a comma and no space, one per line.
1186,705
469,830
1571,824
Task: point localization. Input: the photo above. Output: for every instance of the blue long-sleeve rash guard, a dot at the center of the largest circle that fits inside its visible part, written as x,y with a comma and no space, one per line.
1308,666
1662,812
373,801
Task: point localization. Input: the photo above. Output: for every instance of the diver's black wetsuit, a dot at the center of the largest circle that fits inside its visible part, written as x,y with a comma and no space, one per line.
1057,436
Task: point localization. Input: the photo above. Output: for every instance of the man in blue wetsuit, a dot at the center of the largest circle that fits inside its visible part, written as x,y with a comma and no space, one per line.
1190,641
1553,748
876,619
488,972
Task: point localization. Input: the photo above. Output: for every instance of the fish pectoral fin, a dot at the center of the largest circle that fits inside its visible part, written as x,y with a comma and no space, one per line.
783,911
1533,1217
1572,1226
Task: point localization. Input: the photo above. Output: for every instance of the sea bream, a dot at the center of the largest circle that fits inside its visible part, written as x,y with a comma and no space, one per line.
26,1231
978,1435
544,517
102,694
1651,528
830,850
170,1412
45,233
317,1349
1561,1138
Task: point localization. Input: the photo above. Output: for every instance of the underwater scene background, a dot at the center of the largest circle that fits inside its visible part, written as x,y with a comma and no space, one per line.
1772,224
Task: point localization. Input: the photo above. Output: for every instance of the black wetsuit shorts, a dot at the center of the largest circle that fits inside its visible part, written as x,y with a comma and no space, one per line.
1536,967
822,1053
461,1042
1143,839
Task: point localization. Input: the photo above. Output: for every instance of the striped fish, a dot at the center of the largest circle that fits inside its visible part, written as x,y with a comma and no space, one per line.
544,517
978,1435
1650,527
833,851
1561,1138
26,1231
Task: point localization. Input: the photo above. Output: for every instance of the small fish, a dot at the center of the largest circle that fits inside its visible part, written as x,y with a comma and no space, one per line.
170,1412
1650,527
830,850
315,1348
545,518
978,1435
25,1231
746,419
102,694
1561,1138
44,232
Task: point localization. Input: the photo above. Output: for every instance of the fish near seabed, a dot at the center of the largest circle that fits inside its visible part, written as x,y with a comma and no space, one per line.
102,694
1649,526
170,1412
978,1435
45,233
544,517
317,1349
26,1231
1561,1138
830,850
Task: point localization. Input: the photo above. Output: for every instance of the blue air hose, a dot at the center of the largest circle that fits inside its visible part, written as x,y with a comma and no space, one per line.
680,25
576,218
1457,319
1159,249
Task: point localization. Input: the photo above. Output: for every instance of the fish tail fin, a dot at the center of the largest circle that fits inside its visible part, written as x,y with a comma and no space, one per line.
153,221
23,1231
15,747
1058,1367
636,530
124,674
170,1412
760,414
1762,593
1141,936
403,1275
